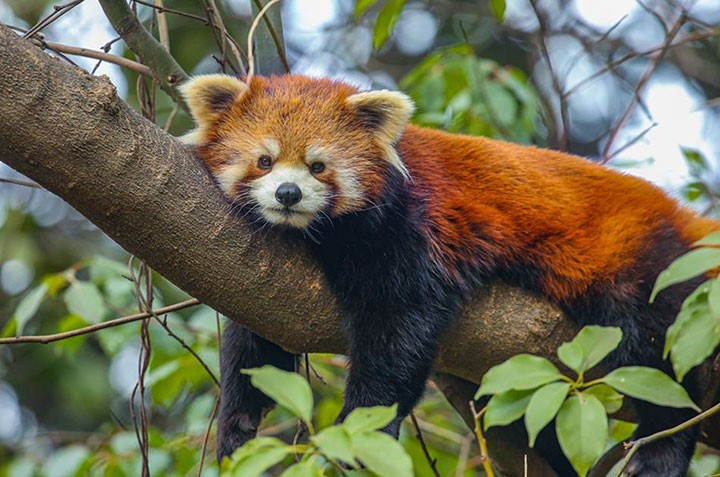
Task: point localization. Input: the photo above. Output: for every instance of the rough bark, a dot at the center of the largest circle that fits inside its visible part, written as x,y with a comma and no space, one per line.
70,132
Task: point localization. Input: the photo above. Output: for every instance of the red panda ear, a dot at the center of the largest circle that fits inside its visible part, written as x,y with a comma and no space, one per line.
207,96
386,113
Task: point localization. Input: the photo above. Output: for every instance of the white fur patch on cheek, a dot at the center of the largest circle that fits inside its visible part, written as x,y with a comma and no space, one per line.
230,176
352,195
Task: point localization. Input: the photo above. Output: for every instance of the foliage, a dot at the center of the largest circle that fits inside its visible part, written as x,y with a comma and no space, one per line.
455,90
695,334
355,442
533,387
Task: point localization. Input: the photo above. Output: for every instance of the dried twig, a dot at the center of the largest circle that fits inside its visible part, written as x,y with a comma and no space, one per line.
647,74
432,462
45,339
58,11
635,445
97,55
251,35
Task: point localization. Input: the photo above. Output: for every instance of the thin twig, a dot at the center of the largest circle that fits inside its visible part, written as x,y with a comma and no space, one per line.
635,445
689,38
224,40
647,74
276,39
97,55
484,455
162,25
562,132
45,339
164,9
206,437
19,182
58,11
430,460
251,35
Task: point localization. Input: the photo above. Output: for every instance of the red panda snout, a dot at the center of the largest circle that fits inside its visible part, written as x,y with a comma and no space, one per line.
289,195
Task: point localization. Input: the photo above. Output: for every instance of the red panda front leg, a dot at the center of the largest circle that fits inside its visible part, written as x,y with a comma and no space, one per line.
241,405
391,356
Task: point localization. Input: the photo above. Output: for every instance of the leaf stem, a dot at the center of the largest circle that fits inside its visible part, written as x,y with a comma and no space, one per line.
484,456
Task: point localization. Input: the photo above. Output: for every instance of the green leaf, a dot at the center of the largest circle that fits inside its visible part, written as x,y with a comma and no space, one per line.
361,7
523,371
84,299
712,240
388,16
714,297
695,160
696,340
382,454
256,456
335,443
308,468
28,306
651,385
506,407
544,405
290,390
610,399
589,347
685,315
690,265
365,419
497,7
582,430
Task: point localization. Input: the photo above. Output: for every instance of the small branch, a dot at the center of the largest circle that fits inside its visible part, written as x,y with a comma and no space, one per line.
162,25
44,339
224,40
562,130
58,11
647,74
164,9
20,183
275,38
430,460
206,437
165,70
635,445
97,55
484,456
250,37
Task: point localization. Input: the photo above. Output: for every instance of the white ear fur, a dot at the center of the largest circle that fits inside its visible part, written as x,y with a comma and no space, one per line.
386,113
207,96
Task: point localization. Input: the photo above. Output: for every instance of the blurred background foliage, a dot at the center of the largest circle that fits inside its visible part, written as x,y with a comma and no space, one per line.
595,78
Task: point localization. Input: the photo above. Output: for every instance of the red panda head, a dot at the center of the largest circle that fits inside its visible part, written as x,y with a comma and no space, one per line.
295,148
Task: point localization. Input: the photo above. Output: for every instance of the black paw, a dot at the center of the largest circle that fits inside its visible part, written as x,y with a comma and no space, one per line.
232,433
666,458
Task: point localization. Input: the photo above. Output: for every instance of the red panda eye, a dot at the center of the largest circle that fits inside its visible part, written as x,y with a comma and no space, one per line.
317,167
265,162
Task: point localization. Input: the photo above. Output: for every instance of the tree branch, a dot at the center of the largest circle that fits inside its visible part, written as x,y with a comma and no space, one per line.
68,131
165,70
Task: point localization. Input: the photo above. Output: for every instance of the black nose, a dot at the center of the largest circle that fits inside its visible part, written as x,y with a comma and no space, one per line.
288,194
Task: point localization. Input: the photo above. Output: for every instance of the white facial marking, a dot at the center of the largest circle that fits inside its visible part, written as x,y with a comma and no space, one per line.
348,184
229,176
314,196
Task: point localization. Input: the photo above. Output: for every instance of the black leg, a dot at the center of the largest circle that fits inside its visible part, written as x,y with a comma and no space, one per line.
241,405
390,360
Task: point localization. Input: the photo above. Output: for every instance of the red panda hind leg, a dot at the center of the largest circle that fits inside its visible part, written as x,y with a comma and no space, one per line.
241,405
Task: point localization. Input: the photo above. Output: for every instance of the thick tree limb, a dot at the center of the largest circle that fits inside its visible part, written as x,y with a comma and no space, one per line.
70,132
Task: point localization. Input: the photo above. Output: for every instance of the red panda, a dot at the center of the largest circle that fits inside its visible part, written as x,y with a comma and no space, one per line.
407,221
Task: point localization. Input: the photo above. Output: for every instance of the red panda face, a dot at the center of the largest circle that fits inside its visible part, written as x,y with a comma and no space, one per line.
296,149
